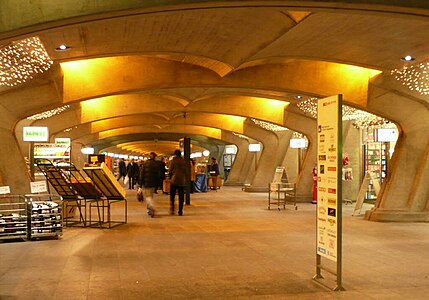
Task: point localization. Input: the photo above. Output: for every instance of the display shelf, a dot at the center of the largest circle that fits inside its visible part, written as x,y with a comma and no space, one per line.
45,213
13,217
376,160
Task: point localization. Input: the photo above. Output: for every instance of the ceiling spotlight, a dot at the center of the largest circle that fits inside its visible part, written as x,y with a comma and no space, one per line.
62,47
408,58
298,97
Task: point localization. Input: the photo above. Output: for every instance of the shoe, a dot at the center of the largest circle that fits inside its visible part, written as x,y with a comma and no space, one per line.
180,213
151,213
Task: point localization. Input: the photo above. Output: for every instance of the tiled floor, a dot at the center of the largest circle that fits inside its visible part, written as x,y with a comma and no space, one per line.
226,246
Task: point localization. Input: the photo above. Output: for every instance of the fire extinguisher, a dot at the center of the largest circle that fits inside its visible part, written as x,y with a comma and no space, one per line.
314,185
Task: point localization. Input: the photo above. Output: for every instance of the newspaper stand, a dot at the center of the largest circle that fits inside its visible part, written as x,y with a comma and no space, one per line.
112,192
13,217
59,179
284,193
45,216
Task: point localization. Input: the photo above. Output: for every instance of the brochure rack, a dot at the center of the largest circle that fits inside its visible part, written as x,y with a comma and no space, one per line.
13,217
60,180
112,193
285,193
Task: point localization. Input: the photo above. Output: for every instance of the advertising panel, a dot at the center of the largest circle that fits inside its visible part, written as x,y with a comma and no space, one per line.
328,176
35,134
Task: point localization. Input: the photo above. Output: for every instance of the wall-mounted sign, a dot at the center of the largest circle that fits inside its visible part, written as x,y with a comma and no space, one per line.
387,135
297,143
51,150
254,147
38,187
4,189
35,134
65,142
87,150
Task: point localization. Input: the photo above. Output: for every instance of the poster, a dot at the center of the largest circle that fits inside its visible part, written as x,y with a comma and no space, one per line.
328,176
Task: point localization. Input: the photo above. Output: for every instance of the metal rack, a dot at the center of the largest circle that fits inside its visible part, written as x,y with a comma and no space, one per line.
112,192
64,181
45,215
13,217
285,193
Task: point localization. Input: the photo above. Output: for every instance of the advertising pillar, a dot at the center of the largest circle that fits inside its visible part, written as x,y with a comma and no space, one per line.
329,194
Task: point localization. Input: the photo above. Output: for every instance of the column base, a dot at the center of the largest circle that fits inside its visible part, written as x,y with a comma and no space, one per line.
380,215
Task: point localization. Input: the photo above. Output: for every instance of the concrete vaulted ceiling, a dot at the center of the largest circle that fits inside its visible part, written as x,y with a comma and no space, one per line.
134,70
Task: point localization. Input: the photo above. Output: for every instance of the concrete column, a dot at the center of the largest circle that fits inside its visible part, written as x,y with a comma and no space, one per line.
307,126
266,165
239,167
352,145
13,169
404,196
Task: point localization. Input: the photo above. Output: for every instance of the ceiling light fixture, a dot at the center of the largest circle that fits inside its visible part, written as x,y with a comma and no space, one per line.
62,47
22,60
408,58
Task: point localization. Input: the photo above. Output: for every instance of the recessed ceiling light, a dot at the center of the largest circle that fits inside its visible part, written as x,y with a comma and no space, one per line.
298,97
62,47
408,58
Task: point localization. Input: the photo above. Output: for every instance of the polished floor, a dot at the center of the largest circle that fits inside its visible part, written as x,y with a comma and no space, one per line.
227,245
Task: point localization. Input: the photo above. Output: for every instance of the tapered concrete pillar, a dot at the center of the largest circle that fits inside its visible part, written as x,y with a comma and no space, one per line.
404,196
13,169
239,169
266,164
306,126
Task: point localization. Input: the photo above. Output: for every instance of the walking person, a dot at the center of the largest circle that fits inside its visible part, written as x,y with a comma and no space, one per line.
161,169
178,169
214,173
148,180
122,169
132,173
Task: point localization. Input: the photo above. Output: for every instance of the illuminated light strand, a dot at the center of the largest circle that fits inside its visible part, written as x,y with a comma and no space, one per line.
297,135
269,126
241,136
22,60
361,119
49,113
414,77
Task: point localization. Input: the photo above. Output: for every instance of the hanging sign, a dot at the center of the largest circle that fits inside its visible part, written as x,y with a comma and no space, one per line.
35,134
38,187
4,189
328,176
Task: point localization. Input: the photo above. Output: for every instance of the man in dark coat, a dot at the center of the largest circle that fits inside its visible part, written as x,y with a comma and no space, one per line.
132,172
178,169
122,169
148,180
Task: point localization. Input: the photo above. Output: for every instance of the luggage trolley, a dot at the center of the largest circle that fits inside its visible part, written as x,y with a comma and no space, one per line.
285,193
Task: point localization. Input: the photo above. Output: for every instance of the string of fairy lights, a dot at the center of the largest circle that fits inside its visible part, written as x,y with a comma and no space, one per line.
269,126
22,60
414,77
360,119
49,113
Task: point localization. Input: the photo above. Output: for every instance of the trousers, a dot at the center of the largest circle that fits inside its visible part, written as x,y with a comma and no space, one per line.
181,192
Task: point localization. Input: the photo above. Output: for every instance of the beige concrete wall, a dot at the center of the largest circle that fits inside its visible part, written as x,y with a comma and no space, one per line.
353,147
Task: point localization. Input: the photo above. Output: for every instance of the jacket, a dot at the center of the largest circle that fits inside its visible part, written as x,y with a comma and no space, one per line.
149,174
178,169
